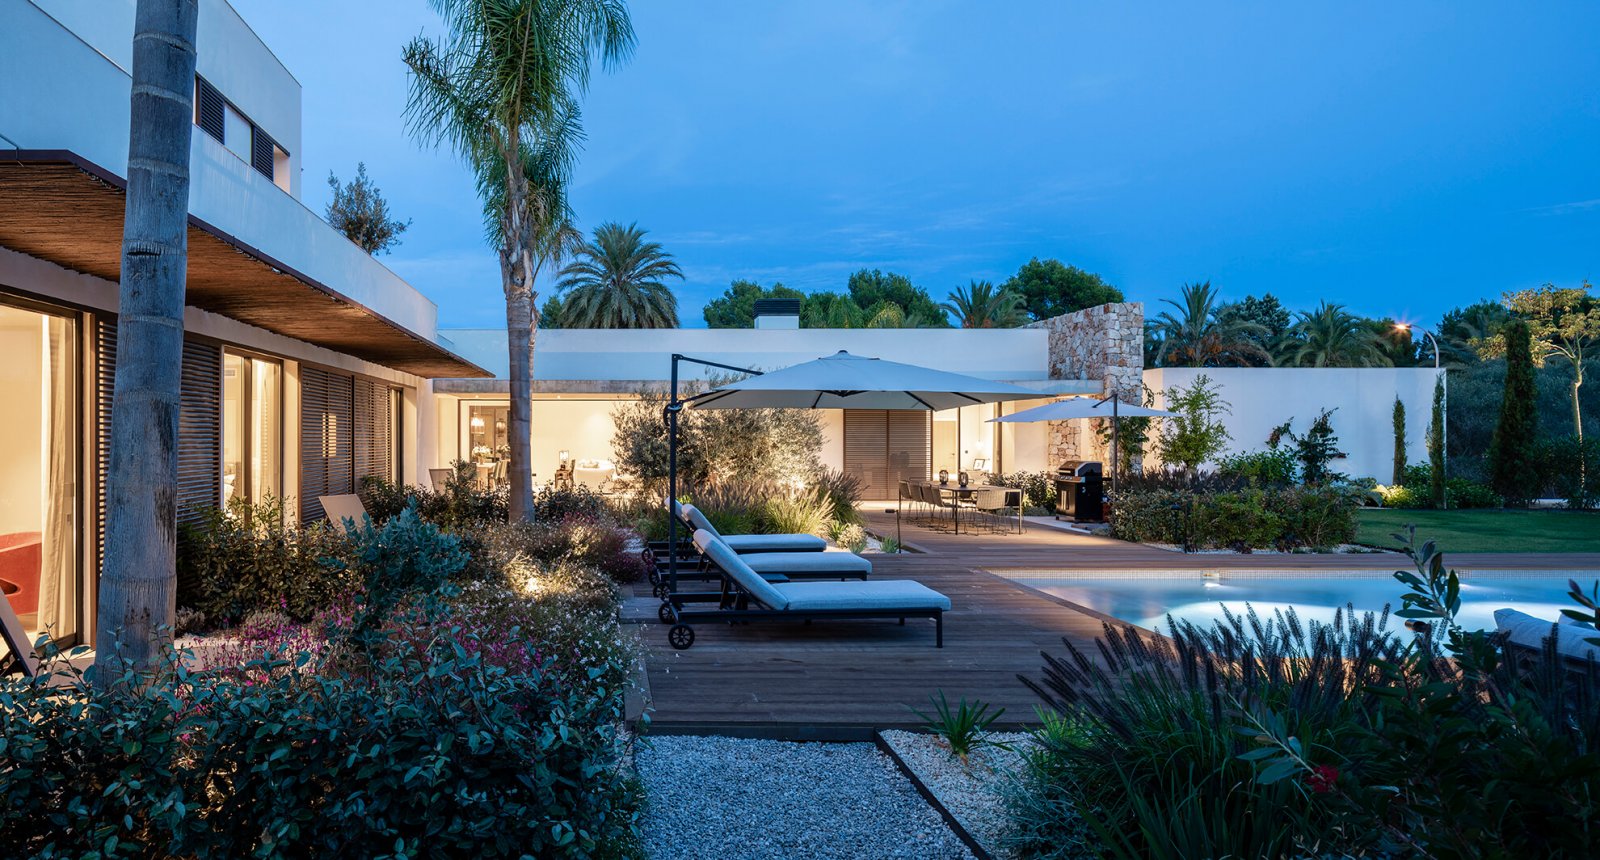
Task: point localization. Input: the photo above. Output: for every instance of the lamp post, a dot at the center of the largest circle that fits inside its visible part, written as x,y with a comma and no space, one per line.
1444,441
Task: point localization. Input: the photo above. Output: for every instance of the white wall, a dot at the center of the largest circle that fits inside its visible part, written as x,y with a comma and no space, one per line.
1263,398
626,354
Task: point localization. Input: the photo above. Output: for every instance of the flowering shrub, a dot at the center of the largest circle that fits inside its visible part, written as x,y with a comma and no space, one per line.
462,502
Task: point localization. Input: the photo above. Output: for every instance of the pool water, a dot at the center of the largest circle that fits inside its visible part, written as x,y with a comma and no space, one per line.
1147,600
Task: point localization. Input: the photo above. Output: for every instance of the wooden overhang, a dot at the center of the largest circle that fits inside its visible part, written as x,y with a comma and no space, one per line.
61,208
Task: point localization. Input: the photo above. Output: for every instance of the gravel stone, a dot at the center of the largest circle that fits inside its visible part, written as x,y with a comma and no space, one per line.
970,790
716,797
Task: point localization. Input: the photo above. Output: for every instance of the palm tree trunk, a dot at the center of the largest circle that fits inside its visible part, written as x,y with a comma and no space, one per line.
519,338
138,587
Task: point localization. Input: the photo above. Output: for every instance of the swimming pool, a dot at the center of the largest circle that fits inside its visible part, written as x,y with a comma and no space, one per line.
1146,598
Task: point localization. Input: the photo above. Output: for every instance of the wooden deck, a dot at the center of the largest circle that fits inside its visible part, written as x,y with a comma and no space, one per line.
870,673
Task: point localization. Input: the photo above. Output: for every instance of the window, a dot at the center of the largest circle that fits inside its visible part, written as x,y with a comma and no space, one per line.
38,470
219,118
252,428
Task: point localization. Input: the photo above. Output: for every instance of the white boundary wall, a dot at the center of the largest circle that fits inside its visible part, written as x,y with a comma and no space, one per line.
1263,398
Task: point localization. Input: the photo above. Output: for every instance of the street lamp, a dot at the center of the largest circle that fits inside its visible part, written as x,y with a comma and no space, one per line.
1444,443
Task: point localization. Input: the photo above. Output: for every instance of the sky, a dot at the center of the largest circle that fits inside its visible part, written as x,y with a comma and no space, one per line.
1398,158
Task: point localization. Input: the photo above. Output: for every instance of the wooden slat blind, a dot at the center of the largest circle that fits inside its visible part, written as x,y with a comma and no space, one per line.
327,438
200,431
884,447
374,431
105,370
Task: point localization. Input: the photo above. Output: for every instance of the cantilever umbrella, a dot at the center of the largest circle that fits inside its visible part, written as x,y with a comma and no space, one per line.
845,381
838,381
1087,407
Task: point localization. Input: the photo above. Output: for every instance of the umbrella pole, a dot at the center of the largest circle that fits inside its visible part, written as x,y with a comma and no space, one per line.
1116,442
673,406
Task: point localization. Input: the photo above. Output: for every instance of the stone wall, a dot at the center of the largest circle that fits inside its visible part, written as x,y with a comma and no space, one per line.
1105,344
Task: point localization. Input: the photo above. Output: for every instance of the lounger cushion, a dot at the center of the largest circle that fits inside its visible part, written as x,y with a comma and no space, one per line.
755,543
1530,632
762,591
810,564
775,543
888,595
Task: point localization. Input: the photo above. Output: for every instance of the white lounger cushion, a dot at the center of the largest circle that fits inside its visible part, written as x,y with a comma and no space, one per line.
889,594
809,563
775,543
1530,632
755,543
892,594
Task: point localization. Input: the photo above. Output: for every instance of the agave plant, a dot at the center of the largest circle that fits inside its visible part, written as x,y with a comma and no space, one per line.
964,728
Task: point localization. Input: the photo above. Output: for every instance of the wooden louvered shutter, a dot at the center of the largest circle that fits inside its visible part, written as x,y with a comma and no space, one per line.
327,438
200,431
210,110
866,438
105,377
374,431
909,448
261,146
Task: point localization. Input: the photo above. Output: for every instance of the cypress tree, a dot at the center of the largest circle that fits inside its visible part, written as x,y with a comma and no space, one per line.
1511,457
1436,446
1399,441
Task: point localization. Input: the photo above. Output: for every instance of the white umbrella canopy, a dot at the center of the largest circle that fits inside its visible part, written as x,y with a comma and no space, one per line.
1081,407
845,381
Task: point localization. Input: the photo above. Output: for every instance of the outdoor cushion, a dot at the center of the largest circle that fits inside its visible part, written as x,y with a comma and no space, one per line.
755,543
810,564
775,543
1530,632
889,594
764,592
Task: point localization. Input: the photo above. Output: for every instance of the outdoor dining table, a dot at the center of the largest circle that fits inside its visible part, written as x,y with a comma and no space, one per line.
967,492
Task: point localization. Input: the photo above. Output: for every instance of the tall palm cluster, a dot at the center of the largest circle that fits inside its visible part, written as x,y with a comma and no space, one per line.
618,280
1201,330
981,305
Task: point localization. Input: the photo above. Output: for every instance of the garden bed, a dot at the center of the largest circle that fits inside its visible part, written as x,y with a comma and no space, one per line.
971,791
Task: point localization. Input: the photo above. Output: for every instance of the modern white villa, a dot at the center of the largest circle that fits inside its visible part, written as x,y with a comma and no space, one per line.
309,365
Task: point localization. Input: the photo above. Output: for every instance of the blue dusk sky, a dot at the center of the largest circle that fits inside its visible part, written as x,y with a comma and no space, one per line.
1400,158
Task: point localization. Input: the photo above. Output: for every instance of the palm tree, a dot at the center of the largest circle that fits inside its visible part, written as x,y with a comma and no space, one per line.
1331,336
1200,337
616,281
139,584
501,90
980,305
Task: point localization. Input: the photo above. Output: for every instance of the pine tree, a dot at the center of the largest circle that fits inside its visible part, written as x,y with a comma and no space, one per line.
1399,441
1436,446
1511,457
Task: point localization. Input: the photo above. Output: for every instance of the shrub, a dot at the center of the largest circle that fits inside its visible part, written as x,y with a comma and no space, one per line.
244,559
1317,449
1197,433
800,513
1406,497
1038,488
842,490
462,503
734,509
403,558
1241,519
558,504
1471,494
851,536
1045,824
588,541
433,752
1268,467
1570,468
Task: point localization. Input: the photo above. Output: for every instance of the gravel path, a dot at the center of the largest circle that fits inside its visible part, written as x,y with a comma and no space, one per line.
971,791
714,797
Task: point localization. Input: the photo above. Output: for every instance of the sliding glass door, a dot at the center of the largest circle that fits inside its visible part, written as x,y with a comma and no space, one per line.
252,428
39,470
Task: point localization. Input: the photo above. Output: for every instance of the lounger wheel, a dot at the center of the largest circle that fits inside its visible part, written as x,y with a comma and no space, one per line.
681,636
661,590
666,613
654,575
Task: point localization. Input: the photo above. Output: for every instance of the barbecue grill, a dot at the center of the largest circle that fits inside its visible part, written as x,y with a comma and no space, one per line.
1080,491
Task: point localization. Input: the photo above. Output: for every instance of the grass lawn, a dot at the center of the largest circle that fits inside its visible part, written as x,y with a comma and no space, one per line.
1486,530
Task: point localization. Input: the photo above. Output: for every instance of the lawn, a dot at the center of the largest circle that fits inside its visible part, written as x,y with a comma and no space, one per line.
1486,530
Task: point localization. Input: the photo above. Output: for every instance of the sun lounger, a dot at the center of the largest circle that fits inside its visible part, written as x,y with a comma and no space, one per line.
19,656
345,507
794,565
761,600
744,544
